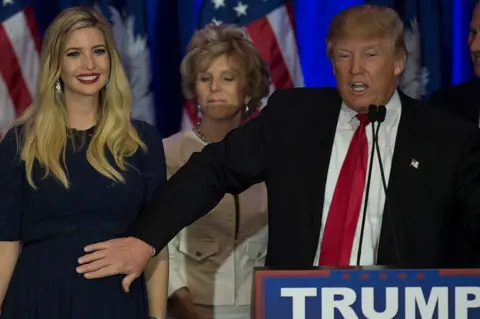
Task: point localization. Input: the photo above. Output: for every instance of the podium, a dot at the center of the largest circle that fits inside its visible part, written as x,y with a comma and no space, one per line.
366,292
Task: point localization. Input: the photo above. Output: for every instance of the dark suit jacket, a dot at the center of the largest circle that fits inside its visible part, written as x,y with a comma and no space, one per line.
462,99
289,145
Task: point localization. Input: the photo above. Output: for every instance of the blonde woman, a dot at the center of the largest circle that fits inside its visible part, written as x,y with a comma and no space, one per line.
212,260
76,169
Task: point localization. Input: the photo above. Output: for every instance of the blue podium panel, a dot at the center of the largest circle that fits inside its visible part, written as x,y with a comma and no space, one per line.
366,293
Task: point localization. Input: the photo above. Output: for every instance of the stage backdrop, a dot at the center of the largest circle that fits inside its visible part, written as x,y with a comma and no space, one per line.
152,36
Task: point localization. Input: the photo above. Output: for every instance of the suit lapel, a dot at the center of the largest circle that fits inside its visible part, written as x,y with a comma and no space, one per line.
404,182
465,101
403,187
322,132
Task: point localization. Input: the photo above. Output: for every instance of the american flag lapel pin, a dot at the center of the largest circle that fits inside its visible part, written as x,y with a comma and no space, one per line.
414,163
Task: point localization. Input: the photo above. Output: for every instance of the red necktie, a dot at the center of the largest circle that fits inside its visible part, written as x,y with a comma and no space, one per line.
342,220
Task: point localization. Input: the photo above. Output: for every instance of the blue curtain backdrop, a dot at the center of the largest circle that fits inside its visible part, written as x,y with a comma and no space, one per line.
443,26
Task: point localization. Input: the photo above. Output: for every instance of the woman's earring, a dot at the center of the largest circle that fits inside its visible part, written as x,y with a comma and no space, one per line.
199,114
58,86
106,83
246,113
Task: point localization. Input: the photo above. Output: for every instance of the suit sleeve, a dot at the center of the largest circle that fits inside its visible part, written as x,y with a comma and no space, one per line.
448,99
230,166
441,100
468,185
435,98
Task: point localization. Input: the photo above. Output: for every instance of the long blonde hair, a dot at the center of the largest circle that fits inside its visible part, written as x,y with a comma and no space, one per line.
44,134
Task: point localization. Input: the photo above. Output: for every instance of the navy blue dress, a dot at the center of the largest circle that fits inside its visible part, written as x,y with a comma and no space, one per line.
54,224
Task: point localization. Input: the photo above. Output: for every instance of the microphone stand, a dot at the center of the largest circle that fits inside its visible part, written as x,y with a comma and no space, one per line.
373,117
377,114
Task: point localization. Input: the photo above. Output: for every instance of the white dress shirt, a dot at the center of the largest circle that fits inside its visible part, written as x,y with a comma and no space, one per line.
346,126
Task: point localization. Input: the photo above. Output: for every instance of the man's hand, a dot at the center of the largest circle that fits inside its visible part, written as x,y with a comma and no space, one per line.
127,256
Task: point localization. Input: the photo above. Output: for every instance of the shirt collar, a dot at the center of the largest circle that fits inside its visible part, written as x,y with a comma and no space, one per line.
347,115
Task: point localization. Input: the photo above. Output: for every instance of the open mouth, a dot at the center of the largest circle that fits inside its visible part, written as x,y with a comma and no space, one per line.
88,79
359,87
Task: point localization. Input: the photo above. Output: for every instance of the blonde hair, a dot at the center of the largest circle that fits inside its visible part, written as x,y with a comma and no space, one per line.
214,41
45,132
368,22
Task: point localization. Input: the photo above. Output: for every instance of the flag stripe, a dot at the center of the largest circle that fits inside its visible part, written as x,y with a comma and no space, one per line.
291,14
264,39
12,74
25,49
7,109
271,28
32,26
287,43
264,101
189,115
192,112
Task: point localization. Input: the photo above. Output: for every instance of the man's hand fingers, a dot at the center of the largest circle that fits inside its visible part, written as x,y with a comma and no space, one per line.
97,246
117,256
99,254
128,280
93,266
102,272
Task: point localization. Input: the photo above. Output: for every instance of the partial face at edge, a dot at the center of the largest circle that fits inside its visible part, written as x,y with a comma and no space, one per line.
474,40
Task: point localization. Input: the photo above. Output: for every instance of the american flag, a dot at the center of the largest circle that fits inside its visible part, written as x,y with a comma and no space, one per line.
19,63
270,25
128,19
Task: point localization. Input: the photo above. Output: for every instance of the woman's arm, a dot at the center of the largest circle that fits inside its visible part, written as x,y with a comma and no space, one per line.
9,252
156,275
181,305
11,185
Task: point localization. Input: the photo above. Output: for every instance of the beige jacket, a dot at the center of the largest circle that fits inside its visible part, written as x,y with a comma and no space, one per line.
211,257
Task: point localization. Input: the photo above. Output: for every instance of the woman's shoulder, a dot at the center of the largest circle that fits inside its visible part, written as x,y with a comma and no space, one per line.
174,141
150,136
182,144
145,129
148,133
13,135
10,143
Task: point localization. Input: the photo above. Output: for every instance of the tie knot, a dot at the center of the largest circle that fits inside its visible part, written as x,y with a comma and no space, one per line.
363,118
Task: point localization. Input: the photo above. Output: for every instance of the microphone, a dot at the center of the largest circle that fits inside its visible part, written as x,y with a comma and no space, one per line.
376,114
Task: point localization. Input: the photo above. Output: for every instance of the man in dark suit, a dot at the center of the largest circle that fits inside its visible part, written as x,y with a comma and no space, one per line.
463,99
311,147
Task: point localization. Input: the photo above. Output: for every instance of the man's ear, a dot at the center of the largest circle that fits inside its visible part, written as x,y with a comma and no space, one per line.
399,64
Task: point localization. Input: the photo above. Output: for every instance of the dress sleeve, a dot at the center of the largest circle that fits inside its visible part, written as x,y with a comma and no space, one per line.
153,162
11,180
